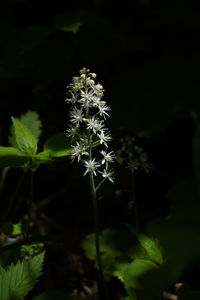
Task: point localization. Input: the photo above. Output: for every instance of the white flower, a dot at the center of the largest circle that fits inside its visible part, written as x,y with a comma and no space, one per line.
107,157
86,97
76,115
94,124
98,90
72,131
78,150
91,166
77,84
102,110
107,174
104,138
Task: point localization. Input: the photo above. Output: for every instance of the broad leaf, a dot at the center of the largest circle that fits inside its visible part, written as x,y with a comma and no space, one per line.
31,120
26,141
57,146
19,279
135,274
149,247
12,157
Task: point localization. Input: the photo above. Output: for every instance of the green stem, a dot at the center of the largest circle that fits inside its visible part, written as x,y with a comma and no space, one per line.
96,228
100,184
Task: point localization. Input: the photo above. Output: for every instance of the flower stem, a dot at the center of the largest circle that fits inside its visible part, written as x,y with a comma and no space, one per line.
96,228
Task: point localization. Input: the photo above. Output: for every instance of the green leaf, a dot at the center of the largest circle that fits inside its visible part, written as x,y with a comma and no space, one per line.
72,27
25,140
149,247
135,274
43,157
31,120
70,22
19,279
57,145
12,157
118,242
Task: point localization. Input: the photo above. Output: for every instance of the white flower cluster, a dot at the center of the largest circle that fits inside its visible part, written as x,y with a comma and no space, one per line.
87,129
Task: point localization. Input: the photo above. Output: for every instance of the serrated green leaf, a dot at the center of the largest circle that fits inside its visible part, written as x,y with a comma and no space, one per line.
57,146
26,141
19,279
31,120
12,157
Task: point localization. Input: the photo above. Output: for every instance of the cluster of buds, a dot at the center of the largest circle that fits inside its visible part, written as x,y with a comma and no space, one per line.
87,125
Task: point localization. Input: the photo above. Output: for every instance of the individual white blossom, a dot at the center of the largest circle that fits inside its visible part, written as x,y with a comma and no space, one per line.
87,124
102,110
86,97
78,151
107,157
91,166
108,175
104,138
72,131
76,115
94,124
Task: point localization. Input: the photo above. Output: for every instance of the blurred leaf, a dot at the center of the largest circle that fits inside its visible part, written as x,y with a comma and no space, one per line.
68,22
25,140
57,146
12,157
149,244
135,274
43,157
72,27
115,241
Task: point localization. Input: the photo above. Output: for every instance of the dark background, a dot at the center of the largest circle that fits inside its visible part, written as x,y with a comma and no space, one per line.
146,54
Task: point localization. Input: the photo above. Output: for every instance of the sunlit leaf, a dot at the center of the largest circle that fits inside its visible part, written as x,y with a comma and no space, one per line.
12,157
149,246
25,140
31,120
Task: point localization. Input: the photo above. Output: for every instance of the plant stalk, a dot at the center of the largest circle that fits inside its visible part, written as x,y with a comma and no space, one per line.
96,228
